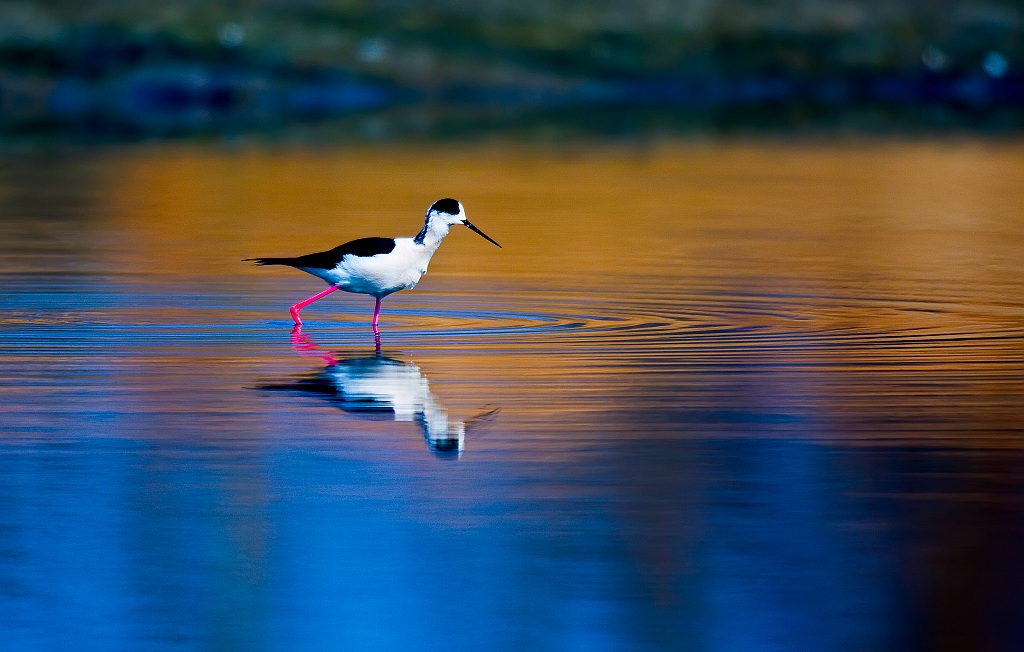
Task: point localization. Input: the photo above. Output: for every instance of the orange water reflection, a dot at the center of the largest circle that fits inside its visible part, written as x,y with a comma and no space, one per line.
853,279
893,214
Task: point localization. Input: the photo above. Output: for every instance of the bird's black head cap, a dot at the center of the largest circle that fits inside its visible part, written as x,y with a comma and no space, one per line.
447,205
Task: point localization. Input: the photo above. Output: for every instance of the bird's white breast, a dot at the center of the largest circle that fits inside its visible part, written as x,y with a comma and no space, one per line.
382,274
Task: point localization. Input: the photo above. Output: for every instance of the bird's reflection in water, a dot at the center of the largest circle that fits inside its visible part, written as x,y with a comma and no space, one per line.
377,384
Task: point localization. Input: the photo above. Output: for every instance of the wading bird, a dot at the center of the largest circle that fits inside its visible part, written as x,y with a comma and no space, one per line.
378,266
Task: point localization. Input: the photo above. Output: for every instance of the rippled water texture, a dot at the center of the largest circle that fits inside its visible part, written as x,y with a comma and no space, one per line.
707,397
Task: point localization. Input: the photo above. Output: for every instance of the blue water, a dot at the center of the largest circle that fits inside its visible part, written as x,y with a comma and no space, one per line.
727,455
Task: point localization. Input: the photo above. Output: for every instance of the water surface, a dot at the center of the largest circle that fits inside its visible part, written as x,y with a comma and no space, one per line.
740,396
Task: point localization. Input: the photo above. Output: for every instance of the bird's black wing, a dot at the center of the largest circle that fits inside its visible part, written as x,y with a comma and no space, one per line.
363,247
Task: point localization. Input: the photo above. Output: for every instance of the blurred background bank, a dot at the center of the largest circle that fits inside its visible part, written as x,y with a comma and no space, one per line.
394,69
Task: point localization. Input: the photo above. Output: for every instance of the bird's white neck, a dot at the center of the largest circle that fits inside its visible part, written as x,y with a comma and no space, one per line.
432,234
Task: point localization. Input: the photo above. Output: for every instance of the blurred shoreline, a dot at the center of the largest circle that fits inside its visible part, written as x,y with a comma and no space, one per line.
125,71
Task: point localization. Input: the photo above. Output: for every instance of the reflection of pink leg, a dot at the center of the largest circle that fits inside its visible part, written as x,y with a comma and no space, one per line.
304,345
376,330
302,304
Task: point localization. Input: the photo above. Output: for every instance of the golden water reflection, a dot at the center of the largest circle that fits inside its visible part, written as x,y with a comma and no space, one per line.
841,215
865,284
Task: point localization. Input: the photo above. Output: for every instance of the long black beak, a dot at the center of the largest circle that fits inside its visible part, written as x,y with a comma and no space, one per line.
485,236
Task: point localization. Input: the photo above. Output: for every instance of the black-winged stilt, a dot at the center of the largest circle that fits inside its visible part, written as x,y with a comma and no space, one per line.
378,266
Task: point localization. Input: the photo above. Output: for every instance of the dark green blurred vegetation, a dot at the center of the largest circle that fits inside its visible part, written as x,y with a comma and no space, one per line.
202,63
506,39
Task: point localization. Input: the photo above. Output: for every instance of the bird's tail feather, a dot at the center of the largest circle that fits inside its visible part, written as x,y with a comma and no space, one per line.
270,261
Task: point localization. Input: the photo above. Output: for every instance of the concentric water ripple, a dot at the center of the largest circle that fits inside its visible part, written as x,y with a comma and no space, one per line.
658,325
868,329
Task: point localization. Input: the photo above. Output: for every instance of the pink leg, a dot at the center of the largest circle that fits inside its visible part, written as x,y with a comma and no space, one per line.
302,304
376,330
